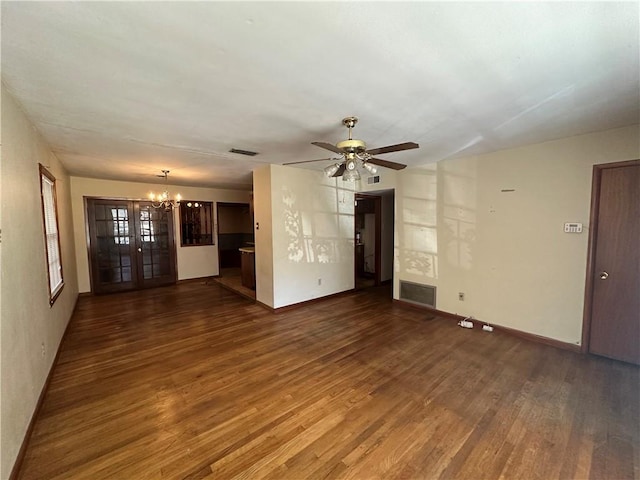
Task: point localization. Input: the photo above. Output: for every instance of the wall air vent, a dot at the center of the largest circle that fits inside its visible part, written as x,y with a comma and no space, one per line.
243,152
372,180
418,293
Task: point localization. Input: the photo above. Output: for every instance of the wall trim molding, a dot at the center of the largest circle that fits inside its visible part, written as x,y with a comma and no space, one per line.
197,279
531,337
293,306
36,411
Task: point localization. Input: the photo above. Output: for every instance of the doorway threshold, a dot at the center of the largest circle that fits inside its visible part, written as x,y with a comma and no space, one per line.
231,279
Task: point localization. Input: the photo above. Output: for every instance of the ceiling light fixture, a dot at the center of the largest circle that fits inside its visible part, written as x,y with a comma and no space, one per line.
164,200
351,161
351,173
331,170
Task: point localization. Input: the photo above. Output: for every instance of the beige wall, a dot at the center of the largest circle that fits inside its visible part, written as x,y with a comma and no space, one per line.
192,262
304,245
313,235
457,229
263,234
30,330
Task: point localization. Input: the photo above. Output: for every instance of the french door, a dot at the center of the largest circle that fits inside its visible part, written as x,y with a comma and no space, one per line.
131,245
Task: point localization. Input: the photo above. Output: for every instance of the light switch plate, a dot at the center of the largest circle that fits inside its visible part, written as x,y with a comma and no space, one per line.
572,228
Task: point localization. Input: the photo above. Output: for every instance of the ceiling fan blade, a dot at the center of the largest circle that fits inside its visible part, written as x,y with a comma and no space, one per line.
308,161
340,171
393,148
387,163
327,146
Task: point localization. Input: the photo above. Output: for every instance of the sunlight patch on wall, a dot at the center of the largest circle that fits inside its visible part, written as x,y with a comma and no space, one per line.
319,223
417,252
459,213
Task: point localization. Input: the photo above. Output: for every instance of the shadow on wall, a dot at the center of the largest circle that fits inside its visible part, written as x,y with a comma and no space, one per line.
431,195
417,248
458,193
318,223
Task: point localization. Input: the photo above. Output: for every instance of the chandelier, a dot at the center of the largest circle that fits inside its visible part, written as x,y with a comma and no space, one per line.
351,161
164,200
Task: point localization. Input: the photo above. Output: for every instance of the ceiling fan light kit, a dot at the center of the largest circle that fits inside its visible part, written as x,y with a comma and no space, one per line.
331,170
353,154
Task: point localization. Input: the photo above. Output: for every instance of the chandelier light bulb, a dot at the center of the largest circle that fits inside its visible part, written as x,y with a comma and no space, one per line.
163,200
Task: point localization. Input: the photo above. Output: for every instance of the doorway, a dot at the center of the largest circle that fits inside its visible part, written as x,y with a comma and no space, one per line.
235,232
374,223
131,245
612,322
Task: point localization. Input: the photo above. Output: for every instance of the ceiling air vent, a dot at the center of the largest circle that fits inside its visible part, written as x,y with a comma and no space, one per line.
243,152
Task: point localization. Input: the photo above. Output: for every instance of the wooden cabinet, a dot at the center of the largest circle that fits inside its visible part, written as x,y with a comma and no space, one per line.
248,268
359,259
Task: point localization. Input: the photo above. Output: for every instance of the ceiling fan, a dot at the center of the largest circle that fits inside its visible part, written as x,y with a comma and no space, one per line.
354,153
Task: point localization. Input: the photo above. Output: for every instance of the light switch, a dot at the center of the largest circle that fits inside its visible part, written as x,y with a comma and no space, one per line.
572,228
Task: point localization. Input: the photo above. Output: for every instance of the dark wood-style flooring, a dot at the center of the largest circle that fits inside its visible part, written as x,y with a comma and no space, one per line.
194,382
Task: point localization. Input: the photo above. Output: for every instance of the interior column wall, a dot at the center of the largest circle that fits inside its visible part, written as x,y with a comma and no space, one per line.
312,233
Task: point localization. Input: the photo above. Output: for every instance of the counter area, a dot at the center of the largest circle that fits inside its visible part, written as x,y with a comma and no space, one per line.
248,266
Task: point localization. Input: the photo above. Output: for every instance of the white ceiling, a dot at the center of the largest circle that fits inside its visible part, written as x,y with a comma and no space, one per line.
122,90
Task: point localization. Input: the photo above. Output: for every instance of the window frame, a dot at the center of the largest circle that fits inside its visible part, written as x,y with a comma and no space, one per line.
50,257
207,204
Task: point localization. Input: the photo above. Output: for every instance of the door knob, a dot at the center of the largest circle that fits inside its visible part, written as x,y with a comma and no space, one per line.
604,275
139,249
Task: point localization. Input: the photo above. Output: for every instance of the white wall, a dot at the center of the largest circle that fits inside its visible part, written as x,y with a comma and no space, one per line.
386,243
192,262
458,230
263,234
31,330
312,228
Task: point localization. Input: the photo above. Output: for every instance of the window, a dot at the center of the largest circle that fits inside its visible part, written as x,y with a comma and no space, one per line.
146,227
120,225
51,235
196,223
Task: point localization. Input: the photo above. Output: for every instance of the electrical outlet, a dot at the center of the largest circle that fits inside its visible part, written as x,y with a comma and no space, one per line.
461,296
319,281
43,349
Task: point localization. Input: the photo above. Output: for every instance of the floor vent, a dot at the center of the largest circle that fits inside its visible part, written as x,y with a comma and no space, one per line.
418,293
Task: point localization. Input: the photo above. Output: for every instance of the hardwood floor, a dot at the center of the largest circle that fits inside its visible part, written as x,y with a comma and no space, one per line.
231,278
195,382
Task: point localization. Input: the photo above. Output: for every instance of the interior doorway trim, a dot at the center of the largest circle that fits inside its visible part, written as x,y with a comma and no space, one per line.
377,255
591,248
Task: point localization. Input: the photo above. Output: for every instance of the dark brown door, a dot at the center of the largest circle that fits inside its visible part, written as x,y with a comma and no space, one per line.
368,265
155,245
615,311
131,245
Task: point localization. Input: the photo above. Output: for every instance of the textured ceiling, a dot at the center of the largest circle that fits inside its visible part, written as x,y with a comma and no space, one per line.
122,90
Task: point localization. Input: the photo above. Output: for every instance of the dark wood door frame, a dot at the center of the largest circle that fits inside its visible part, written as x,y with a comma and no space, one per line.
222,260
591,248
377,202
134,246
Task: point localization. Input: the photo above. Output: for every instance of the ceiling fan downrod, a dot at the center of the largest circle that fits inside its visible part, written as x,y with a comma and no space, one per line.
350,122
351,145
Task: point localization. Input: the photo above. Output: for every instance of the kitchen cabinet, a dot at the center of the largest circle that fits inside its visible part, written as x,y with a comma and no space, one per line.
248,267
